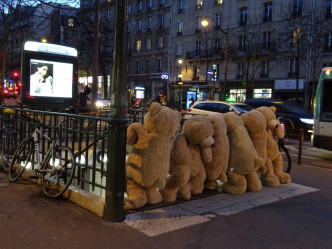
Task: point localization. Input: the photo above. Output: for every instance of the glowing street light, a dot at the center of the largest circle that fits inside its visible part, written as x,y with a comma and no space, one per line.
205,23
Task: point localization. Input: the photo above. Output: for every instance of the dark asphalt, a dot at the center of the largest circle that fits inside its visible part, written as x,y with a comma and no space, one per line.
30,220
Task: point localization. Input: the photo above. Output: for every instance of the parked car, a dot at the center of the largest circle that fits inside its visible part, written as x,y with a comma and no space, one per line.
100,103
293,116
10,92
213,106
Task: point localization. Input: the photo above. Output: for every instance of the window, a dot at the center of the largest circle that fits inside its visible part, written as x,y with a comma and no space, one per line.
267,12
263,93
178,49
148,43
218,1
180,27
160,42
217,44
70,22
149,4
266,40
265,69
195,72
160,65
218,19
180,10
197,48
138,46
328,13
147,65
139,25
149,23
242,40
139,6
108,14
292,67
129,9
128,27
92,17
239,74
328,42
138,65
161,21
296,35
199,4
297,8
243,16
161,3
198,24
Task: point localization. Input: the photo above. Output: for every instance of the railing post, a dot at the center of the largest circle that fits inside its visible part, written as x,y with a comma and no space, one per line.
299,158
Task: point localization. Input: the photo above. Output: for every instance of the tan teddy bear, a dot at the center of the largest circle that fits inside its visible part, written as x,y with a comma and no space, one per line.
255,123
148,162
243,159
216,169
274,163
190,150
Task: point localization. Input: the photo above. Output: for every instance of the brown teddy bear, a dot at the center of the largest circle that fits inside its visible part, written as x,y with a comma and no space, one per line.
216,169
190,151
255,123
274,175
243,159
148,162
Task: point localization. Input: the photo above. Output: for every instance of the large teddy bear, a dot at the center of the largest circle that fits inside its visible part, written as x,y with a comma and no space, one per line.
255,123
243,160
190,151
274,163
216,169
148,162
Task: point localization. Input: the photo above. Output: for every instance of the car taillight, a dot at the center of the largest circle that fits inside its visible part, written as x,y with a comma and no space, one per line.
10,88
188,110
16,92
5,91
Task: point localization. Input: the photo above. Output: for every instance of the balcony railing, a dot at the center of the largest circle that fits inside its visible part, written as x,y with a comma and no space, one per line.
258,48
200,54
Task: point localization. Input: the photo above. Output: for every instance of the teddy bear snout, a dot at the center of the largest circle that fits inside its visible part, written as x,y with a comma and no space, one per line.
207,142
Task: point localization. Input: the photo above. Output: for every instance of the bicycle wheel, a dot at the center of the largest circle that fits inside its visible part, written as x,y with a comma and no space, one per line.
59,171
8,147
287,162
22,159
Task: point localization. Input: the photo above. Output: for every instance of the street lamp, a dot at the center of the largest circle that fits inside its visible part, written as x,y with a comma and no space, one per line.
180,61
205,23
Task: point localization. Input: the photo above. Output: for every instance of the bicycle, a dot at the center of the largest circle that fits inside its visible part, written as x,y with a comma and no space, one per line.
286,124
56,171
8,138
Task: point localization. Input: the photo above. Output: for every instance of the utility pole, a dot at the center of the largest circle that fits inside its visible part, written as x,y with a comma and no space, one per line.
95,57
117,128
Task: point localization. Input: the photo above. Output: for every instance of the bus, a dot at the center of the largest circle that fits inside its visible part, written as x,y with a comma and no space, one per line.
322,135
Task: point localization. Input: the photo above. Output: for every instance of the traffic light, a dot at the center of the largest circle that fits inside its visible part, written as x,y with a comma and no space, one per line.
16,76
215,72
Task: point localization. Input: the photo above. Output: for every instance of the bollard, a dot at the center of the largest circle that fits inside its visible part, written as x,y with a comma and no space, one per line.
299,158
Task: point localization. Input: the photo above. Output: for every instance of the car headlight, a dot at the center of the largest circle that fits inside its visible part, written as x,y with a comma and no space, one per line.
307,120
99,104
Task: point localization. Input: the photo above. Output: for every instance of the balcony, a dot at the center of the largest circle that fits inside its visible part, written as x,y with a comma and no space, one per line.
267,18
180,11
239,76
264,75
291,74
202,54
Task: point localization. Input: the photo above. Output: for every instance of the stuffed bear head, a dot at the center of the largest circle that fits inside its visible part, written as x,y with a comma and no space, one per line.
219,124
272,123
162,120
198,130
233,121
254,121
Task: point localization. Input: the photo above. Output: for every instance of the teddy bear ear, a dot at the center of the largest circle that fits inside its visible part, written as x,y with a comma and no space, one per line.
274,109
244,117
154,108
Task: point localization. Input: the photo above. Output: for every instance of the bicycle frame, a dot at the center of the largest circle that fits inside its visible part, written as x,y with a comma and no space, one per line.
35,136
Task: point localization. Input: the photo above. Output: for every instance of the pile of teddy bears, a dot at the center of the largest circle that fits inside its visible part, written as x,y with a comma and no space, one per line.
239,151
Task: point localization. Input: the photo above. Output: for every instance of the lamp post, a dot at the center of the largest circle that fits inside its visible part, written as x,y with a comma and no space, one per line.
205,23
180,83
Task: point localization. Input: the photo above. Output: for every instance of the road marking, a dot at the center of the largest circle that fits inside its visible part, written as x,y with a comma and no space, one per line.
188,213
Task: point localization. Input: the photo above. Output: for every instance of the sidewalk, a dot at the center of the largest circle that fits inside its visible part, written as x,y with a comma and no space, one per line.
298,215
